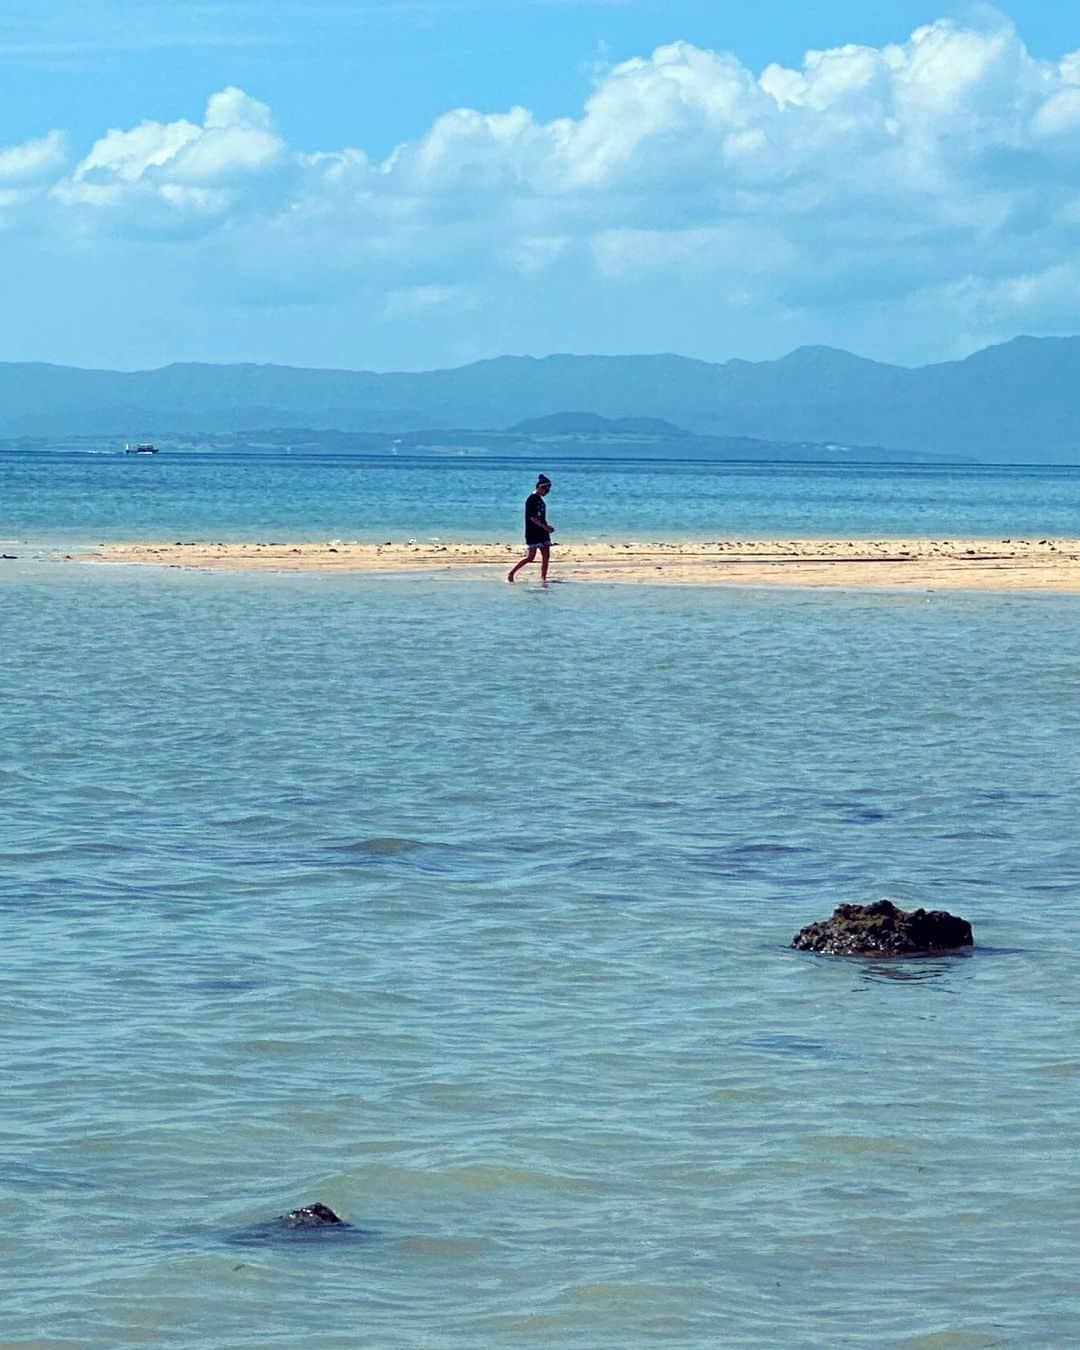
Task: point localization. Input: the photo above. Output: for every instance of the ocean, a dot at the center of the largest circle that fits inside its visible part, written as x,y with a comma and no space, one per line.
57,497
465,909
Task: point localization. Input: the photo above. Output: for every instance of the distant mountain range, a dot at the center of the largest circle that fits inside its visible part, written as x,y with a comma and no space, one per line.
1018,402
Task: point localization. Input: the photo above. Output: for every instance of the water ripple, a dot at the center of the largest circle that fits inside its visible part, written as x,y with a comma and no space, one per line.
326,888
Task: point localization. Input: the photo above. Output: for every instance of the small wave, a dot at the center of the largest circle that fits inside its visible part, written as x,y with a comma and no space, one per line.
94,848
381,846
421,855
791,1045
916,969
764,850
275,1233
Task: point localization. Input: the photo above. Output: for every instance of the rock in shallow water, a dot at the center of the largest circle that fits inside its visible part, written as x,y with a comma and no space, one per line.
317,1215
311,1222
882,929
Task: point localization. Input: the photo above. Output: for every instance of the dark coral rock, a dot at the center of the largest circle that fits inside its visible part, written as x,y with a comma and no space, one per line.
312,1223
883,930
317,1215
309,1224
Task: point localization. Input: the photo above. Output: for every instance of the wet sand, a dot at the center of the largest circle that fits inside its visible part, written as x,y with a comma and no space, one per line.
962,564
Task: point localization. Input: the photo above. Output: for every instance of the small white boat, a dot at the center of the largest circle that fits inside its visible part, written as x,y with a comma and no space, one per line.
140,449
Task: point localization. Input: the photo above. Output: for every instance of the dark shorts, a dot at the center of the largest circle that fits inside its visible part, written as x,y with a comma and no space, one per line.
538,543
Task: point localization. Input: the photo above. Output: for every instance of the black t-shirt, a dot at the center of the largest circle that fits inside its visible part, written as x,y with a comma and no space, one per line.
534,506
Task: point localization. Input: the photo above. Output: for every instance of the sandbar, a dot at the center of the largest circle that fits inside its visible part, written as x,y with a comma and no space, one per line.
1027,564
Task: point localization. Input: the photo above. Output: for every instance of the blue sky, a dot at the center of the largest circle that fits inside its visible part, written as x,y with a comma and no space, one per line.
405,185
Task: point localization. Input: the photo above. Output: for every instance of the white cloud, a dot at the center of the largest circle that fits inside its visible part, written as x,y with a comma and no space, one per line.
159,171
126,156
466,151
948,164
33,161
233,108
1060,114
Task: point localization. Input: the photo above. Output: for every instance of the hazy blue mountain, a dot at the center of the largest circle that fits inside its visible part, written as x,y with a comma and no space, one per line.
1019,401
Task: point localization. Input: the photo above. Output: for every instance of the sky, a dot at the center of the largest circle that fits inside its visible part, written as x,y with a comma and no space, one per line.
370,184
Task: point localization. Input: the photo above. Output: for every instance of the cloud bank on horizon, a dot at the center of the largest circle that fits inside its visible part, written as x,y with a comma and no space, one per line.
930,187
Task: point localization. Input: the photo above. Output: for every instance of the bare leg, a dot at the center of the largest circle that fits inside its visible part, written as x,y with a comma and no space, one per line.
518,566
545,554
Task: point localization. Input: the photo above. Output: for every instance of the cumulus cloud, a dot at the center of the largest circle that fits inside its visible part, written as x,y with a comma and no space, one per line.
946,164
165,174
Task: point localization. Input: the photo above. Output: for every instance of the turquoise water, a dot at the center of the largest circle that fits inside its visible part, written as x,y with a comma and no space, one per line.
464,909
51,496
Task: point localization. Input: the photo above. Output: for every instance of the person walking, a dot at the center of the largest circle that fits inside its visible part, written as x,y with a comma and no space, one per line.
537,530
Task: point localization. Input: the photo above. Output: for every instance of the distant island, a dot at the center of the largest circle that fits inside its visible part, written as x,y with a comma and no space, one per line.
1016,402
558,437
592,424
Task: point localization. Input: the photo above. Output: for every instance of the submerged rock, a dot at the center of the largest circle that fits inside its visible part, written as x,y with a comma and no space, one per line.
882,929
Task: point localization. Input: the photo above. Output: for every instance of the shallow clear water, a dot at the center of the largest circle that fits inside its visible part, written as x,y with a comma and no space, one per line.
464,909
59,497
